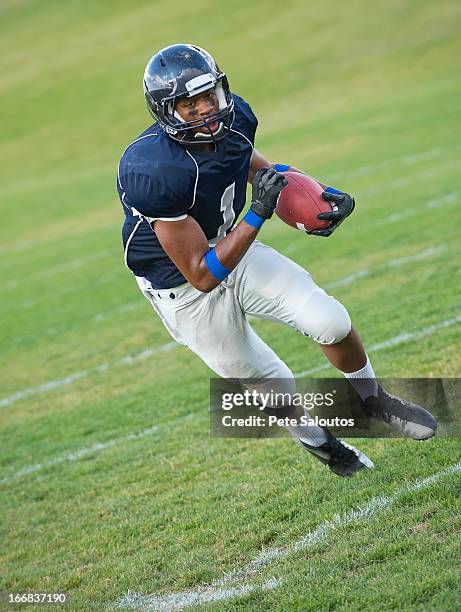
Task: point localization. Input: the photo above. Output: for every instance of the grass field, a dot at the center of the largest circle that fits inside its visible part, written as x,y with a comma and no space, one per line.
110,484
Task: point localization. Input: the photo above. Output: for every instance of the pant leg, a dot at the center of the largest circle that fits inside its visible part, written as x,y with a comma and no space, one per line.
272,286
213,325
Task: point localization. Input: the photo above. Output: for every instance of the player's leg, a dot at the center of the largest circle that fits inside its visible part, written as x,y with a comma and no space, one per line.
213,325
272,286
404,417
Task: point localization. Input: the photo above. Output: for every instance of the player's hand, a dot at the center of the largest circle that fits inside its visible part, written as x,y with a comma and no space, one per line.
267,185
343,204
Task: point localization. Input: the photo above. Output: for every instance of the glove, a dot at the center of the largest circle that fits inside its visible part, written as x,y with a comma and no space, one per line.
267,185
343,204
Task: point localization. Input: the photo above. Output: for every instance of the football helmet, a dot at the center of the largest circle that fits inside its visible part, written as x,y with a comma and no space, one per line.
183,71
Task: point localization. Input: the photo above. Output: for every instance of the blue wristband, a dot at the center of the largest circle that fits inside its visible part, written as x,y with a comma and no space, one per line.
253,219
281,167
215,266
333,190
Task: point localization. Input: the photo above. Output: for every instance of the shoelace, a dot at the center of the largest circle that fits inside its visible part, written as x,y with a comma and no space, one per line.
340,453
386,415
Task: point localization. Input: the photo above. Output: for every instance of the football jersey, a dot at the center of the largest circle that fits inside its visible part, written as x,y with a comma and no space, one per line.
159,178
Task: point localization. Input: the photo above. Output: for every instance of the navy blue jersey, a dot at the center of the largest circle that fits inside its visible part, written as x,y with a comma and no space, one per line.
159,178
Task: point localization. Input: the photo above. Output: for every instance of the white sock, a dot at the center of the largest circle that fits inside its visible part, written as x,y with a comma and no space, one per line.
363,381
310,434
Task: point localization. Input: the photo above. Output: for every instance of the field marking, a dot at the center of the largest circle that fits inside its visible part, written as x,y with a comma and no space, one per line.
72,264
103,367
395,341
341,282
73,456
434,203
392,263
129,359
207,593
347,280
449,198
409,159
267,556
76,263
399,261
184,599
78,454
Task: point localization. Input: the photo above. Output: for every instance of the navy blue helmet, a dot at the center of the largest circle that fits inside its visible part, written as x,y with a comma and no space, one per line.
183,71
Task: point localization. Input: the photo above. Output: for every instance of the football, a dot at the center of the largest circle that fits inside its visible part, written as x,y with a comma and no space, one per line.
300,203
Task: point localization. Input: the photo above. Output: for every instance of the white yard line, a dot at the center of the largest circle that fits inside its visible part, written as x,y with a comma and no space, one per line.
267,556
399,261
129,359
103,367
199,596
444,200
76,263
347,280
214,591
392,263
78,454
407,160
67,266
149,352
396,340
341,282
73,456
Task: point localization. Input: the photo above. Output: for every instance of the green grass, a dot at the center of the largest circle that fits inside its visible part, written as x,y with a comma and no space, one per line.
365,97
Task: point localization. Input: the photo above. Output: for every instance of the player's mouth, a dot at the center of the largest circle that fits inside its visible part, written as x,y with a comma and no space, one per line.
212,127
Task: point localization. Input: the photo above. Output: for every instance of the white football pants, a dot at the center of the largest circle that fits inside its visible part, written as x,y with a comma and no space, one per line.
266,285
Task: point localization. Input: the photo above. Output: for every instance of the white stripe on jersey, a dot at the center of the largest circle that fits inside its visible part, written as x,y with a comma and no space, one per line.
196,179
129,240
180,218
243,136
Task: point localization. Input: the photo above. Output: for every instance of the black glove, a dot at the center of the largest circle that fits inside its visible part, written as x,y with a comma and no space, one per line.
267,185
343,204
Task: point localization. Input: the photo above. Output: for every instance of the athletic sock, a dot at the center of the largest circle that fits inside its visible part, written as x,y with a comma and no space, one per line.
363,381
310,434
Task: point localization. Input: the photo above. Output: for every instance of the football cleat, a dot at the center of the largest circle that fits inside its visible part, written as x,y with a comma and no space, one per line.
342,459
404,417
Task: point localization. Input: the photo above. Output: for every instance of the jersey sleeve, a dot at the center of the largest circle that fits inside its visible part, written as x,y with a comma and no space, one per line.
245,118
165,194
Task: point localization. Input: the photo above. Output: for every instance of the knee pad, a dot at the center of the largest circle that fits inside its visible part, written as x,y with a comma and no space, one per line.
329,321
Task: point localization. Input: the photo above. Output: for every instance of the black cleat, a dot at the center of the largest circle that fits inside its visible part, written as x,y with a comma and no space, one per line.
404,417
342,459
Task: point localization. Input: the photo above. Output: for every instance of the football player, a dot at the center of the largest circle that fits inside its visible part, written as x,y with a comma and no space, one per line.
182,184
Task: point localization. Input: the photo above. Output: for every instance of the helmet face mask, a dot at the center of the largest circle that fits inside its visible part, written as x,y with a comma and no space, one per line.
184,71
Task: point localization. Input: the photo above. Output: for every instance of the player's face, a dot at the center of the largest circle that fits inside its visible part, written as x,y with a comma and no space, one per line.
198,107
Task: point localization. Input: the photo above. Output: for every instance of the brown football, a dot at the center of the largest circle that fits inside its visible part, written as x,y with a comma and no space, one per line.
300,203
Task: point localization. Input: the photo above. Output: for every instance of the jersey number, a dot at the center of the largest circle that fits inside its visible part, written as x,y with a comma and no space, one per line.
228,214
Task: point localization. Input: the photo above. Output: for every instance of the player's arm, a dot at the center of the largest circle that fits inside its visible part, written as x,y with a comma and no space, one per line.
186,244
342,203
